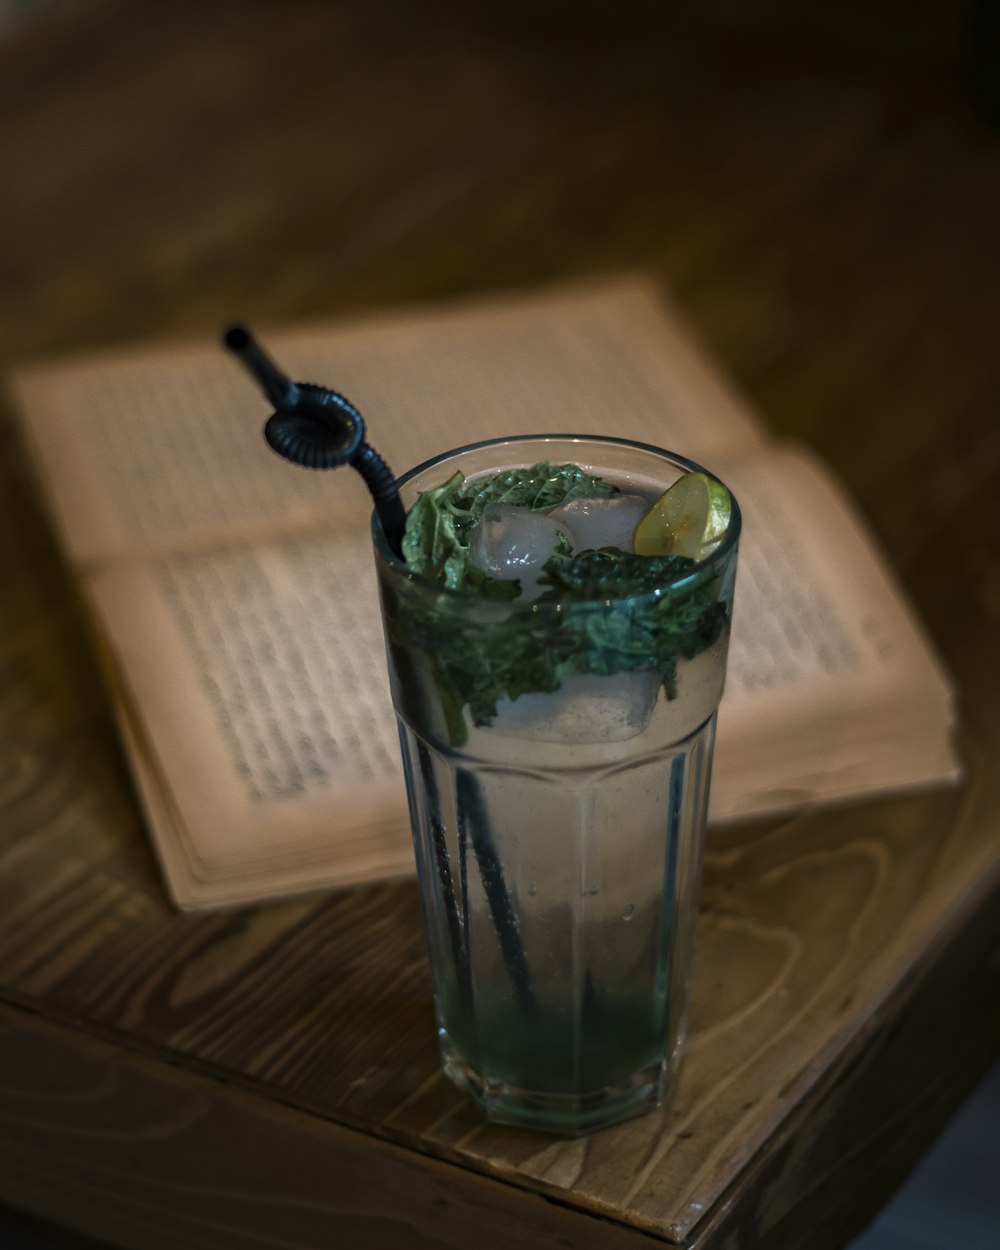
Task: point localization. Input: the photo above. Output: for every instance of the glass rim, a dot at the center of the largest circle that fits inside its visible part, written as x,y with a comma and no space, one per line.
716,557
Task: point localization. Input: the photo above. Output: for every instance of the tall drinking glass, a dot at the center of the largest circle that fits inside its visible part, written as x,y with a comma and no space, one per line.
558,833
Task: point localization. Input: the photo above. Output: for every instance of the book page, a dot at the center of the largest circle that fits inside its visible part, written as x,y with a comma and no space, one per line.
258,678
234,594
831,688
261,679
350,857
163,451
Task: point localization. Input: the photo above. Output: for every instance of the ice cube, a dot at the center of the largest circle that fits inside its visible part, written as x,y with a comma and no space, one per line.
512,542
595,523
586,708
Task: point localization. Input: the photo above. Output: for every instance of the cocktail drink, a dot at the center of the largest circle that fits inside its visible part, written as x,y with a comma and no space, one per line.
556,630
556,613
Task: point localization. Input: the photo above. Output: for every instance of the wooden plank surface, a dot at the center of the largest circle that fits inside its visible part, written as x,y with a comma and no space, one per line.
221,1168
114,1139
820,197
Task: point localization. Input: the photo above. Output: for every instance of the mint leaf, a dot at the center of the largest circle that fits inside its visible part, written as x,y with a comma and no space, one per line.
439,526
609,573
478,659
641,630
431,543
544,485
476,663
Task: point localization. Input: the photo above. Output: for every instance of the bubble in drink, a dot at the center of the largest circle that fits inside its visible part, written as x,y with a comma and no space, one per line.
586,708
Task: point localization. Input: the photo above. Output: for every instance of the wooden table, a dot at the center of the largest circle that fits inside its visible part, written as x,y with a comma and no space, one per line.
815,186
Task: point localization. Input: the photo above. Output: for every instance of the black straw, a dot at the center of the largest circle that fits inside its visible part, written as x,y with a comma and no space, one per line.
280,391
473,823
319,428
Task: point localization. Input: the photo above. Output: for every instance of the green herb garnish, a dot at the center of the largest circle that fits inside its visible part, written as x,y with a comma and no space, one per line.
663,608
440,524
644,629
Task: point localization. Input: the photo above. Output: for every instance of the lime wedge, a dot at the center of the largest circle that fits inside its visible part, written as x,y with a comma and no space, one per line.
689,519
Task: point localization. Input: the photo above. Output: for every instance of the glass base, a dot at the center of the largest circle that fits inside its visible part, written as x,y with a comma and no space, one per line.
570,1115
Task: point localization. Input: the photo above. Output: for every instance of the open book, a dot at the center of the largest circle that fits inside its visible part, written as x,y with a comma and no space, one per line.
233,598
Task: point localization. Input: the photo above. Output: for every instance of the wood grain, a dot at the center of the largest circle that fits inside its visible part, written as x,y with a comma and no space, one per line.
815,188
218,1168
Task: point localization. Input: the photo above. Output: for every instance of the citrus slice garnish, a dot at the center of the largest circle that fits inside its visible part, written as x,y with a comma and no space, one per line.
689,519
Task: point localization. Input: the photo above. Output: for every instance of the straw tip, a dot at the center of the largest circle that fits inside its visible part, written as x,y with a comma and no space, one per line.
236,338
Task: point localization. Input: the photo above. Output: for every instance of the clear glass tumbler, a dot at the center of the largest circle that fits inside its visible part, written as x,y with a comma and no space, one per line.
558,841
